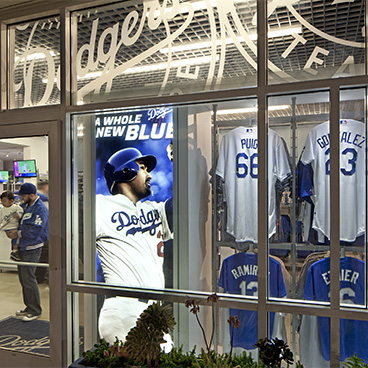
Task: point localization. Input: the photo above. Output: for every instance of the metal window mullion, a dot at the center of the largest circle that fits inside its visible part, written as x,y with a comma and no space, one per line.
335,223
10,101
89,231
65,48
262,168
4,66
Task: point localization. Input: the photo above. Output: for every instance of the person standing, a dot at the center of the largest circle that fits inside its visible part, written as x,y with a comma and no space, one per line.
33,232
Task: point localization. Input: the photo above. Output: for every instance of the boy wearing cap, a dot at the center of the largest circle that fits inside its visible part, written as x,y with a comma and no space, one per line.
33,232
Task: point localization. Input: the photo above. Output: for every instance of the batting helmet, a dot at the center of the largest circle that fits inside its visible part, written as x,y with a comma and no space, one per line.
121,167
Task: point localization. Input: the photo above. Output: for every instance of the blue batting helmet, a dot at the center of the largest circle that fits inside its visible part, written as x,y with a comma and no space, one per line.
121,167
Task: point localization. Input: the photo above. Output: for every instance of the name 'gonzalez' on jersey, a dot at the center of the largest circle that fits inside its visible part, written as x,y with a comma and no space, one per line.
316,153
238,167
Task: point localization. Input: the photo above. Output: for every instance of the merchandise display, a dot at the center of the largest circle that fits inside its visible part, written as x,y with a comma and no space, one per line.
298,228
239,275
238,167
314,178
354,337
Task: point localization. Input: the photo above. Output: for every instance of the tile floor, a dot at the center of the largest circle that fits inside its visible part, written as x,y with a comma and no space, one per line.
11,295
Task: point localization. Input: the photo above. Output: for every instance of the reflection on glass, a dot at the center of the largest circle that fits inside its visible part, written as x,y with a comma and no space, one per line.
161,57
24,315
239,275
34,55
308,44
314,343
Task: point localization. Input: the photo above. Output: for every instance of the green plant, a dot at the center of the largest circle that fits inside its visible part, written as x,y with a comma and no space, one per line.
210,358
143,341
355,362
106,355
273,352
178,359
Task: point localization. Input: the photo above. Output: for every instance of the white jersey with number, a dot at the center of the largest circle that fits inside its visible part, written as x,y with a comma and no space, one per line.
316,152
238,167
128,237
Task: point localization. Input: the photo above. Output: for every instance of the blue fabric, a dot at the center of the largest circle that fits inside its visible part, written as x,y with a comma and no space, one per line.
28,280
34,225
239,275
353,334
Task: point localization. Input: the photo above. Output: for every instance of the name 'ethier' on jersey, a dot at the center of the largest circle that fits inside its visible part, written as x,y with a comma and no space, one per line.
245,270
345,275
345,137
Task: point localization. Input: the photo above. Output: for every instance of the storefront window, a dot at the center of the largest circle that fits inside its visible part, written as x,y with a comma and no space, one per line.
310,40
140,49
34,54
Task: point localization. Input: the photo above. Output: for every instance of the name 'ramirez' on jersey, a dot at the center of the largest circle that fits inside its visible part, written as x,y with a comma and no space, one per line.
128,236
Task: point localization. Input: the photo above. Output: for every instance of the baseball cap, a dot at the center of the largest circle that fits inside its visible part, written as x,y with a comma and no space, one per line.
27,188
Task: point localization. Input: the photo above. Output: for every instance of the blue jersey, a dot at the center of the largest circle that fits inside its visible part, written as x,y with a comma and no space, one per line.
239,275
353,334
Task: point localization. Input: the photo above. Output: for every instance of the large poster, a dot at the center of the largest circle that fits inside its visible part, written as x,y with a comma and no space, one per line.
134,178
150,131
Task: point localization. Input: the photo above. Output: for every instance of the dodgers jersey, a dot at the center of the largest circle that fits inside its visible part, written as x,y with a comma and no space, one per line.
239,275
7,219
238,167
353,334
315,181
127,238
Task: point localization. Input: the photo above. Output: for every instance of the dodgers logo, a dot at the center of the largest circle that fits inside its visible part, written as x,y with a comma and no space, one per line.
151,219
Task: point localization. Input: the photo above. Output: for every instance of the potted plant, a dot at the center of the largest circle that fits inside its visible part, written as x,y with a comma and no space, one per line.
142,345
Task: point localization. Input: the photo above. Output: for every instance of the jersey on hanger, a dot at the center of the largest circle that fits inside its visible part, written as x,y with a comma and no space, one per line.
239,275
238,167
353,334
315,178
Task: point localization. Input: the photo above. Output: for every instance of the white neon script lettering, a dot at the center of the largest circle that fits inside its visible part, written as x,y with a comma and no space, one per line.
28,68
156,14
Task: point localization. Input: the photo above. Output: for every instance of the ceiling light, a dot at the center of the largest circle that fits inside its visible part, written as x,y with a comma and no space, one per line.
153,67
250,109
37,55
287,31
196,5
158,66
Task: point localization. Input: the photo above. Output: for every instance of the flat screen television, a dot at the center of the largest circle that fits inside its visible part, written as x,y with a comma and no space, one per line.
4,176
25,169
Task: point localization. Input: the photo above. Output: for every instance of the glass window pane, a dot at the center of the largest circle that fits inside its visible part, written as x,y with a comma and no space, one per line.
134,49
24,287
314,341
300,198
310,40
34,69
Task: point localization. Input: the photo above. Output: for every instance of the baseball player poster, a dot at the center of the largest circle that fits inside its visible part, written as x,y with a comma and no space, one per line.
150,131
134,178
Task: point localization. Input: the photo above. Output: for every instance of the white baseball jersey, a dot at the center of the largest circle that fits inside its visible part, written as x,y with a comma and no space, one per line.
238,167
316,152
127,237
7,219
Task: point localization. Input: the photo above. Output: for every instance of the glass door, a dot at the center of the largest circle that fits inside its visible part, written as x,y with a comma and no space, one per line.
30,243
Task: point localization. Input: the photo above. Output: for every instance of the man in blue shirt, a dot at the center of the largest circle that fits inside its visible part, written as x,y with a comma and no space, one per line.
33,232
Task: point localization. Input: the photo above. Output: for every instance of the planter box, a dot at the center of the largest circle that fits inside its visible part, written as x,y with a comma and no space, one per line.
79,363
